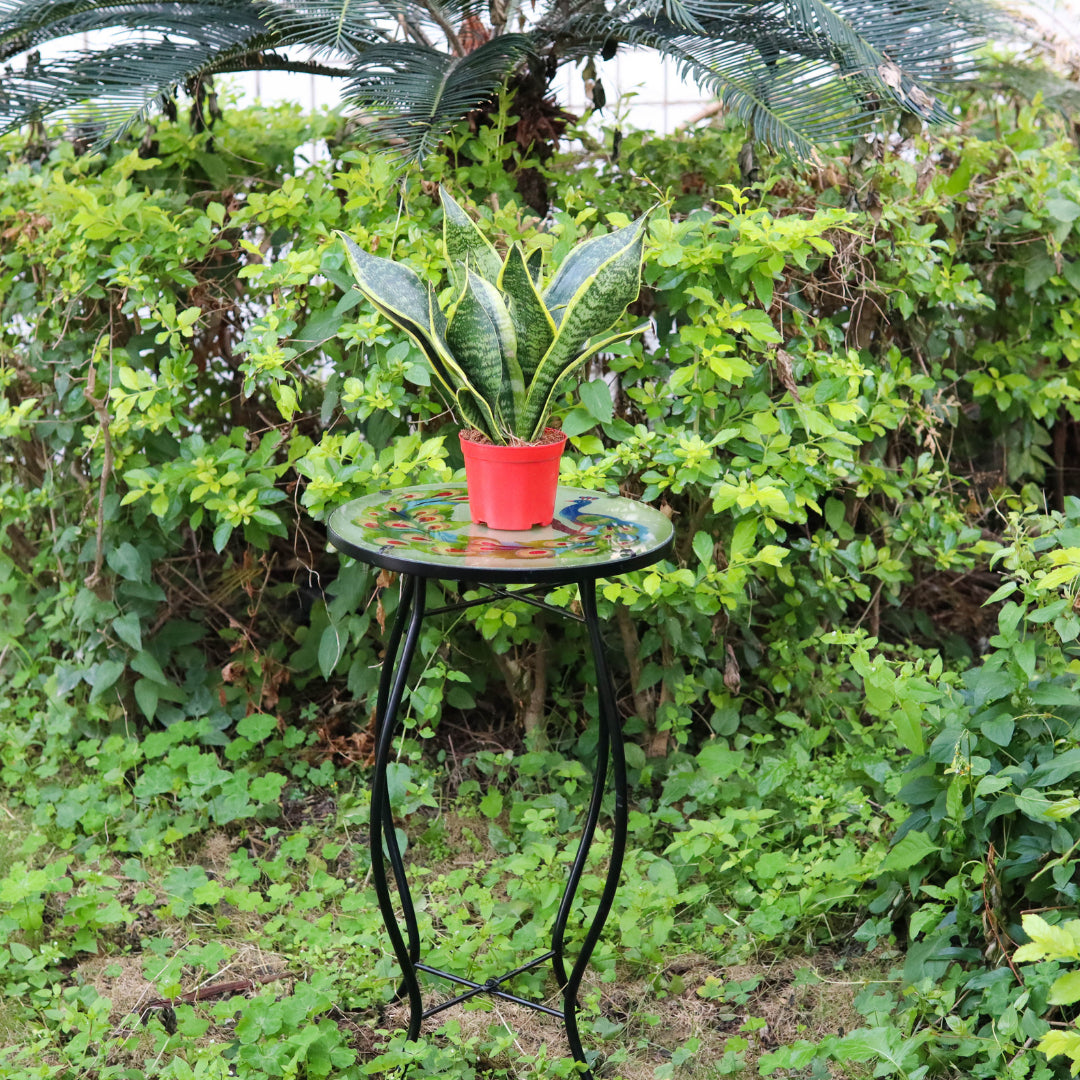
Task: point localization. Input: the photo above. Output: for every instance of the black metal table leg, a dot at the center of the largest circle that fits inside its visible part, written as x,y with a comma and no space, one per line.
391,689
610,738
401,648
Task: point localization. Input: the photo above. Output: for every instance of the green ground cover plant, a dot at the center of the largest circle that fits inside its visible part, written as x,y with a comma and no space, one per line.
849,699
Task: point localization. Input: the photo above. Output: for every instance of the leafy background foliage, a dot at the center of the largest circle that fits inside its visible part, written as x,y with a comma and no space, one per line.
849,699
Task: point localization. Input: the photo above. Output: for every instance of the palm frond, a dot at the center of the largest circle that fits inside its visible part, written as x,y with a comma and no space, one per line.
335,27
420,93
114,87
26,24
805,71
349,27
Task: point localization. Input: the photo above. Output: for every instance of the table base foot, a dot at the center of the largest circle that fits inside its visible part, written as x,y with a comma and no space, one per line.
493,988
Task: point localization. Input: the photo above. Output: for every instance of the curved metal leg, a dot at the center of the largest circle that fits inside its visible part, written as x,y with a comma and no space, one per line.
610,737
577,869
391,689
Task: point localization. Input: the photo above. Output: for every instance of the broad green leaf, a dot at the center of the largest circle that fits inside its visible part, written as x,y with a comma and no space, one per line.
704,548
596,397
999,730
331,646
909,851
533,325
1065,989
146,664
103,675
1061,575
257,726
1064,766
742,539
129,562
909,727
146,697
466,245
1049,942
128,630
1063,209
1067,1043
492,803
718,760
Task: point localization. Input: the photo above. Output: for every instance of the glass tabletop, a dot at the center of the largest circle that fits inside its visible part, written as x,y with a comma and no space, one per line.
426,531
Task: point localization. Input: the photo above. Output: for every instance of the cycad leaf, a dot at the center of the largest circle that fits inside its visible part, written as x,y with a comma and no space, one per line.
534,326
465,244
334,27
805,71
110,88
25,24
422,92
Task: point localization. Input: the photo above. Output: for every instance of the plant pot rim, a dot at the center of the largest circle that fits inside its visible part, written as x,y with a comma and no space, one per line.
552,436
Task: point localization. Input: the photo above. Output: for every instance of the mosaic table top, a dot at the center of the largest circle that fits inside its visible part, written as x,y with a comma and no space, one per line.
426,531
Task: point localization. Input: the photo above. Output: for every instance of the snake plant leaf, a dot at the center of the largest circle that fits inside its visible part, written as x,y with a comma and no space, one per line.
535,262
470,405
600,298
399,294
465,243
538,404
534,326
585,261
480,334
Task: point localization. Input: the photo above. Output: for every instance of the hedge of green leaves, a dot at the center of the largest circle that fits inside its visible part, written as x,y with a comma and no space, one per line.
857,406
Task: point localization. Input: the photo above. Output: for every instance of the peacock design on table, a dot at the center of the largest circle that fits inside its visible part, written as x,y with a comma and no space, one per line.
424,521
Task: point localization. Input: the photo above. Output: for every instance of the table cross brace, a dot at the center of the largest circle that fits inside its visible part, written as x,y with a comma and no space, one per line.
489,987
529,596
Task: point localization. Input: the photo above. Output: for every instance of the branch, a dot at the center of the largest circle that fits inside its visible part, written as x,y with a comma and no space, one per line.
261,61
99,406
451,35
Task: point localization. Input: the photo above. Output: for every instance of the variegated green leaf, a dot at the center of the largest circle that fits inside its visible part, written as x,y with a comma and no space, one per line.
466,244
534,326
598,302
537,407
535,263
481,336
399,294
469,403
584,262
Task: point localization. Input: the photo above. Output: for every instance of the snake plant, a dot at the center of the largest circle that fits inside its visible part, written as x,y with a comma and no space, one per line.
508,341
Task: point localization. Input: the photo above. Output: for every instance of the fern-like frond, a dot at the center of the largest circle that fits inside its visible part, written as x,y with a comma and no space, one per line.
349,27
332,27
805,71
109,89
26,24
420,93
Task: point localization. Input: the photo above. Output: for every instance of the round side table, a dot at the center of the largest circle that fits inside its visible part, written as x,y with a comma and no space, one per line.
425,532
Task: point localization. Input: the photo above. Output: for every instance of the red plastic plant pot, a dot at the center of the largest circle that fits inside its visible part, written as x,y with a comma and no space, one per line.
512,487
